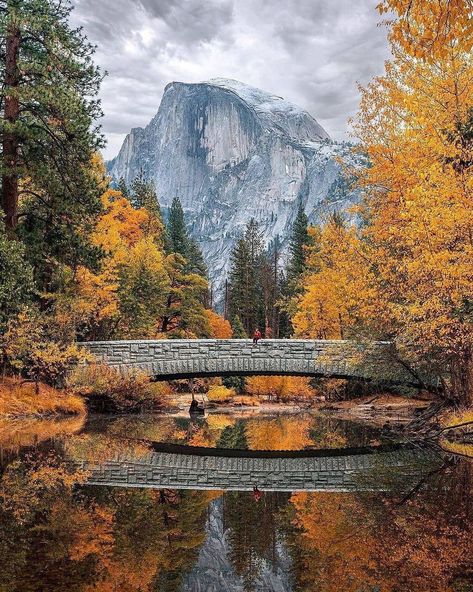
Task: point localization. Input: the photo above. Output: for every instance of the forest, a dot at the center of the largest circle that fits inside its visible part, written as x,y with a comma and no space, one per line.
81,259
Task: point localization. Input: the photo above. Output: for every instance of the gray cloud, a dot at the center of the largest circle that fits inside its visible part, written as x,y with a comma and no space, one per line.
311,52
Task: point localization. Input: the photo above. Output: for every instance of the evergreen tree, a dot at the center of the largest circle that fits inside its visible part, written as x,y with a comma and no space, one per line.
48,131
179,241
196,263
16,279
238,329
142,194
245,281
176,229
123,187
298,243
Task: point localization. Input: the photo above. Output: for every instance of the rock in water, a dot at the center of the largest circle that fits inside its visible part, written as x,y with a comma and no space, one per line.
232,152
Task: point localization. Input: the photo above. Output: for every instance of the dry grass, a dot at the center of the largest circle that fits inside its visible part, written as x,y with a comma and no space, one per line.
19,399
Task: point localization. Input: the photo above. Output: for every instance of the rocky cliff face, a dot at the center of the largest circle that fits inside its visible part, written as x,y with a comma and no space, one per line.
231,152
214,571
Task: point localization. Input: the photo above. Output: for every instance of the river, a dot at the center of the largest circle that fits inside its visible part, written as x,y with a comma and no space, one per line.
391,520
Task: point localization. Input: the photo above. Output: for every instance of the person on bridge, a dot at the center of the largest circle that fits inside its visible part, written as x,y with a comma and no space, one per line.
256,336
257,493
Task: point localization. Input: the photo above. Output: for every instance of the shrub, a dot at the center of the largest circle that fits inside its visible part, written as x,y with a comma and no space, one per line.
31,349
106,390
220,393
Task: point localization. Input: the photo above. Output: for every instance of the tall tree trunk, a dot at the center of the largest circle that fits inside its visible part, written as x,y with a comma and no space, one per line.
10,139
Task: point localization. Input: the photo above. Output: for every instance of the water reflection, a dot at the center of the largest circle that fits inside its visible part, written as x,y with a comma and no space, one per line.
55,535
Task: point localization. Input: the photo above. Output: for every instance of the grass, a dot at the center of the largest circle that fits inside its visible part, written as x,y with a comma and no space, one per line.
457,448
20,399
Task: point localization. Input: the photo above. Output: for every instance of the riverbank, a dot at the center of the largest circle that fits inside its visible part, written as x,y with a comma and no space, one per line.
24,399
377,410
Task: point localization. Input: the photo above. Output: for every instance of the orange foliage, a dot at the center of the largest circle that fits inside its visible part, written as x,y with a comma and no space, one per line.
285,433
19,399
339,288
280,387
220,327
429,29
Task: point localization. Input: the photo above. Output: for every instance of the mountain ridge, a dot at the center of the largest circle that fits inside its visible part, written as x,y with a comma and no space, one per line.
232,152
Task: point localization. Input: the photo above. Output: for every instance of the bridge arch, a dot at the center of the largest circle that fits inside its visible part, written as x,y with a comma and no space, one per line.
183,358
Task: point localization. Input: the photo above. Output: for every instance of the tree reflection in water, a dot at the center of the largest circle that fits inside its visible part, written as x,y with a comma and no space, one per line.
57,535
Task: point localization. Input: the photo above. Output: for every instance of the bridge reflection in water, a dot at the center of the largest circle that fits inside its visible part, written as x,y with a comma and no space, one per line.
185,467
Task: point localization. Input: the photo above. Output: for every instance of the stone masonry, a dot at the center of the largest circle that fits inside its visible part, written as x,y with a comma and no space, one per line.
358,472
176,358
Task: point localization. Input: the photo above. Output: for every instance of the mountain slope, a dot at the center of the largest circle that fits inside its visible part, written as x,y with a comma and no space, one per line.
232,152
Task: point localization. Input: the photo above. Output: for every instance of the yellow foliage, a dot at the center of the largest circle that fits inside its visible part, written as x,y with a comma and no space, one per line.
246,401
220,393
220,327
338,286
282,433
131,239
413,125
31,350
458,417
23,432
407,273
428,30
280,387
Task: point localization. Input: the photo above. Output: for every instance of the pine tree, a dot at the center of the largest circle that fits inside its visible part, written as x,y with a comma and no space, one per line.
142,194
123,187
238,329
48,130
196,263
245,281
179,241
176,229
298,243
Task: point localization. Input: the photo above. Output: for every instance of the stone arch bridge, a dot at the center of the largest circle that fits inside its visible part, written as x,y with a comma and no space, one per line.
181,358
170,466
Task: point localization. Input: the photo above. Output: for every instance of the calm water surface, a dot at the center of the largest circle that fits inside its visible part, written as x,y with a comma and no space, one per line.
413,535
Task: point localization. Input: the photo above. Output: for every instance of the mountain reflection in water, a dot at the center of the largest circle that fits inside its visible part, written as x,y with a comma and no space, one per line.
413,535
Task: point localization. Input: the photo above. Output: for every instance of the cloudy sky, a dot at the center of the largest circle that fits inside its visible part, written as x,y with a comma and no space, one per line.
311,52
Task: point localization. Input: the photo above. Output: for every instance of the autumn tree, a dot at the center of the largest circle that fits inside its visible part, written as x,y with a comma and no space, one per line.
220,327
414,124
338,299
143,285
